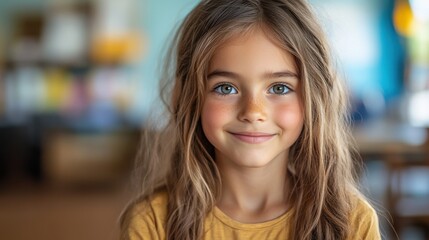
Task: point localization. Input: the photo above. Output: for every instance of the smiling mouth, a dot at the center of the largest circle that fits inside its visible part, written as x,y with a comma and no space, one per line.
253,137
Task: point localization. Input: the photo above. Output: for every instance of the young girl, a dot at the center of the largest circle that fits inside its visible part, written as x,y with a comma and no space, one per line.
256,145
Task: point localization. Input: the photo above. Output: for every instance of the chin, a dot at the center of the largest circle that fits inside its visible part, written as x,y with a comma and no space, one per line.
252,162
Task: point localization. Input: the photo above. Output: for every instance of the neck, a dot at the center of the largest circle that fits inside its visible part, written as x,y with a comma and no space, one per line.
253,194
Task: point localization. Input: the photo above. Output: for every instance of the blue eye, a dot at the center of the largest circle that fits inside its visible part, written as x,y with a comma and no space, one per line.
225,89
280,89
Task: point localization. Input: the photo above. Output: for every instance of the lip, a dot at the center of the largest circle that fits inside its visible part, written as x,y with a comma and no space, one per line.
253,137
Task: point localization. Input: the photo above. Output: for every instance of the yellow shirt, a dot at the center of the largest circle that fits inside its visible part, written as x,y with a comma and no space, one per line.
148,221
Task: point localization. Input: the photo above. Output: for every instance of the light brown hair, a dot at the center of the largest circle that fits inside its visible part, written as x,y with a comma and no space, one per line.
179,158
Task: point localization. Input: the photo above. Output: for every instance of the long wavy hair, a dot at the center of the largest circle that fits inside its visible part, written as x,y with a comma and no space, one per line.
177,156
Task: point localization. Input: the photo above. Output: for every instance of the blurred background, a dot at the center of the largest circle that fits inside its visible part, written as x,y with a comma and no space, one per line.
78,78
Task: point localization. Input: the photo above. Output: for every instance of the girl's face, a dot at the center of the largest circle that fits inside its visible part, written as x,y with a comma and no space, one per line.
252,112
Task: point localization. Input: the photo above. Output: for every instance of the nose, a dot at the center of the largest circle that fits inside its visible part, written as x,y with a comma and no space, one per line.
252,109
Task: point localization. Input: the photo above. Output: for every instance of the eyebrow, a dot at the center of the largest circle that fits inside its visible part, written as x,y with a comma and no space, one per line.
267,75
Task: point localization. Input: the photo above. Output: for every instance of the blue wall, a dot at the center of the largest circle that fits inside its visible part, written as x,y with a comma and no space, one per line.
159,18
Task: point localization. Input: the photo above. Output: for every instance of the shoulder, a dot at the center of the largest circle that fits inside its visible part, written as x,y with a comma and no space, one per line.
151,208
146,219
364,221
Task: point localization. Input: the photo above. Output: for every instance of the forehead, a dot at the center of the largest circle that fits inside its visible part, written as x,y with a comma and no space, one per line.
255,48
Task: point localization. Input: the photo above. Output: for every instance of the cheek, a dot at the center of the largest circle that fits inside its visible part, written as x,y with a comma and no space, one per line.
214,115
290,116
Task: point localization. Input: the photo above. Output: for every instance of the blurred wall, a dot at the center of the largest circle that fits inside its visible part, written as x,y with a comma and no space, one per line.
159,20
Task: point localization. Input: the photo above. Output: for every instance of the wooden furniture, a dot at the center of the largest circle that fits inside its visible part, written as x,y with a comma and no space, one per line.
405,153
71,158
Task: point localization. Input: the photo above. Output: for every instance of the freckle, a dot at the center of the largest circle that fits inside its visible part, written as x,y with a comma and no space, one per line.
220,107
256,105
